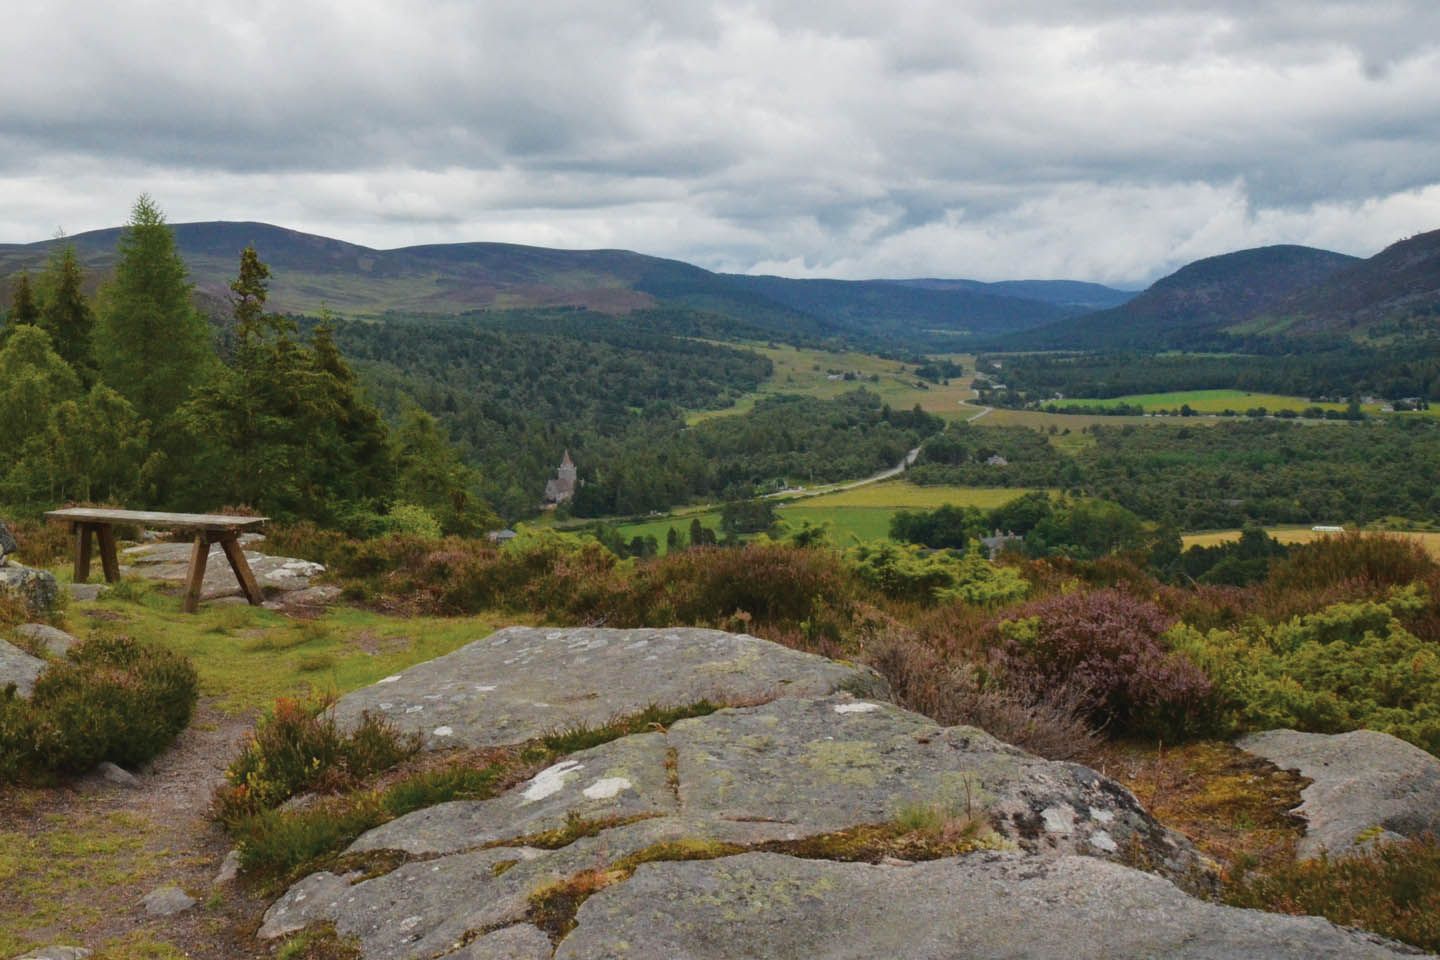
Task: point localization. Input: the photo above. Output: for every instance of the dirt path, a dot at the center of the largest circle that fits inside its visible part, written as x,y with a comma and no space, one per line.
87,852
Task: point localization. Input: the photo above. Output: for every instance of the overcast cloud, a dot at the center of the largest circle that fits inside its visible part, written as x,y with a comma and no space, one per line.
1107,140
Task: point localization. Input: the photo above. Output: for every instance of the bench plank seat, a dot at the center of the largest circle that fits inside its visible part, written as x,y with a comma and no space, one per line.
208,528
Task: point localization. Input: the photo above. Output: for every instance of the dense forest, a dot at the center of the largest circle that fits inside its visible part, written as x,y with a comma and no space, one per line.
1206,477
1325,369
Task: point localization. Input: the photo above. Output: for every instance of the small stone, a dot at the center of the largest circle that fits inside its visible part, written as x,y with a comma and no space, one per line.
56,953
167,901
85,592
117,775
56,642
229,868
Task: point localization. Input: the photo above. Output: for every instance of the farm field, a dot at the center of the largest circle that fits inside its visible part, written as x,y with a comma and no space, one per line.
862,513
806,371
1211,401
909,496
1431,541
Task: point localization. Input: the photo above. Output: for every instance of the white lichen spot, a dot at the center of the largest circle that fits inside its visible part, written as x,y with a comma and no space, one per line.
652,657
444,732
499,641
415,709
390,679
484,687
1059,819
551,780
637,645
410,923
555,636
385,705
856,707
1101,840
1101,815
434,696
606,788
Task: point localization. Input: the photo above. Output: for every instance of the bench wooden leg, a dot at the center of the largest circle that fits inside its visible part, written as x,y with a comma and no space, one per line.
108,561
82,551
230,543
196,577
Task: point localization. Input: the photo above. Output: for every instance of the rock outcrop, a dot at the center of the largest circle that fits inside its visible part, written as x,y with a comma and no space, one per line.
756,831
1368,787
19,668
170,562
522,682
1000,905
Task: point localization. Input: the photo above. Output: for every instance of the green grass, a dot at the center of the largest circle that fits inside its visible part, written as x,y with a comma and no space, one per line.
860,523
247,657
1210,401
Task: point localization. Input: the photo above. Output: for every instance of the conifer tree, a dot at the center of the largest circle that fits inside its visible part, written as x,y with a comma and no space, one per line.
23,308
66,314
152,344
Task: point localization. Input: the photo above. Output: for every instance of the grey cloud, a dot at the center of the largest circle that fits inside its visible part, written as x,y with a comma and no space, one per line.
842,135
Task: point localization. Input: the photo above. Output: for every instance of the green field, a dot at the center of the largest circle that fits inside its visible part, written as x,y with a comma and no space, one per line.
808,372
1209,401
862,513
909,496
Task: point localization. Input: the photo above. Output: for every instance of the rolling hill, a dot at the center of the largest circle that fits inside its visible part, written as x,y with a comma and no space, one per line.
1193,306
1402,281
311,271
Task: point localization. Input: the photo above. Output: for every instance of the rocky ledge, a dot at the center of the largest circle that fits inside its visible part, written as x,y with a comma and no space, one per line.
821,822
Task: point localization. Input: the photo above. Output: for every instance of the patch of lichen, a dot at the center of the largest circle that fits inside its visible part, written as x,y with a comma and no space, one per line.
1235,807
500,866
553,908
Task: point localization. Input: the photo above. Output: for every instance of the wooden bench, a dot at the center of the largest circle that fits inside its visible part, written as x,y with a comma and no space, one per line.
207,528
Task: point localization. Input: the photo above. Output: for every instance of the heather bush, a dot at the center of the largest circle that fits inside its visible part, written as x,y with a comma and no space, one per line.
1348,666
1048,721
1109,645
112,698
773,583
298,747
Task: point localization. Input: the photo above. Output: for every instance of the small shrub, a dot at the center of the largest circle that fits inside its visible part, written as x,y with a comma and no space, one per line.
112,698
298,747
1370,561
1109,645
412,520
319,661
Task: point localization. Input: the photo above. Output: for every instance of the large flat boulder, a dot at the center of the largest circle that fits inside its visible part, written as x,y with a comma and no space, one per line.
798,773
1368,787
984,905
19,668
170,562
521,682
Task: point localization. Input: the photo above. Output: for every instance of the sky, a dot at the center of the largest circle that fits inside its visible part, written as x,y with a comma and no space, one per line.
1102,140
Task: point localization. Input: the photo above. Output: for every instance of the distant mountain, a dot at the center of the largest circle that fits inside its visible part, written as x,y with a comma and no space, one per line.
1401,281
1062,293
1196,302
310,271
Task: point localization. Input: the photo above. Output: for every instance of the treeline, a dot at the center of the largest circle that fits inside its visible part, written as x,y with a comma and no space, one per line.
1334,369
135,399
1209,477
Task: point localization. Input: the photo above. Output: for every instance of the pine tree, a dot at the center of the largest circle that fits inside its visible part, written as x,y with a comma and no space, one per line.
152,344
24,311
66,314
